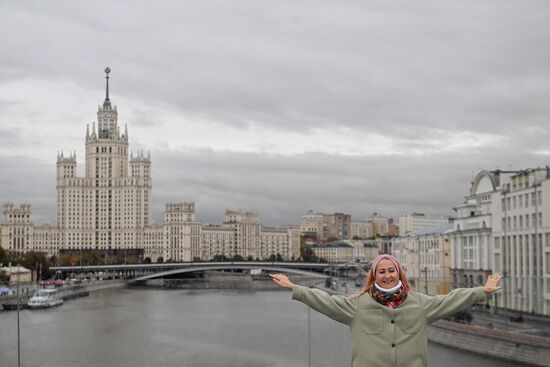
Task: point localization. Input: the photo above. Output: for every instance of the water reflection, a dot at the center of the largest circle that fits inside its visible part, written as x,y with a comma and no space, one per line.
187,328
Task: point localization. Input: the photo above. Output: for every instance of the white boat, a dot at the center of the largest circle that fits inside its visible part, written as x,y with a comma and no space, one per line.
45,298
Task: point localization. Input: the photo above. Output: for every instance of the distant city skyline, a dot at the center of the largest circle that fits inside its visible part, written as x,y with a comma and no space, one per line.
336,107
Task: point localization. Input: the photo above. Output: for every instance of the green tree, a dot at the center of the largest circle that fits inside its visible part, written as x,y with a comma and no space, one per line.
238,258
3,256
13,257
219,258
132,259
91,258
307,253
53,260
37,262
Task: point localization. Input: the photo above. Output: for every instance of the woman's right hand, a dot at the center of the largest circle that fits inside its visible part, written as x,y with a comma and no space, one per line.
282,280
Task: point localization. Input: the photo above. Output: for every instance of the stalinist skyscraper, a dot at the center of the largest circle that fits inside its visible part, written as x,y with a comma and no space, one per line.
110,206
109,209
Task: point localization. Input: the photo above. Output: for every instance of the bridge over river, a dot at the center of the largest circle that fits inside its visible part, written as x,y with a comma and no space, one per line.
159,270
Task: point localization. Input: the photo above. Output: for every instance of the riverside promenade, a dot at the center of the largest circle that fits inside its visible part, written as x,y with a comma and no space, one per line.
506,344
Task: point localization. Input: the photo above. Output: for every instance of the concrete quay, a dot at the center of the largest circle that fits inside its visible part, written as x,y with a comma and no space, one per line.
513,346
216,280
103,285
9,303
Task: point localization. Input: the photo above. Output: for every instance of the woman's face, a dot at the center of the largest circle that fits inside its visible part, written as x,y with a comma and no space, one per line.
386,274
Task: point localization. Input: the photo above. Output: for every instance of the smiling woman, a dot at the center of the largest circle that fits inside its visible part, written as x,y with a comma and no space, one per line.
388,321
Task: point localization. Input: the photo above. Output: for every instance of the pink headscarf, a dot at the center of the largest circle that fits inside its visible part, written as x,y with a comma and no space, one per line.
372,274
379,258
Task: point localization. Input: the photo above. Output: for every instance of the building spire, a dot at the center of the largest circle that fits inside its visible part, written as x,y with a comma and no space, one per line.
107,103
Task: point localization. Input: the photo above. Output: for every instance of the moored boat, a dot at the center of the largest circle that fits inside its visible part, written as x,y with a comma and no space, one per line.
45,298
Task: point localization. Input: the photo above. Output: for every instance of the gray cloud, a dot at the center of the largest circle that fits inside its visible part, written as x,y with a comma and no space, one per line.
412,72
284,187
373,66
26,180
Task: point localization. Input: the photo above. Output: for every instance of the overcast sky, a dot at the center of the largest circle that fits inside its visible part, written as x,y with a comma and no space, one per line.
280,106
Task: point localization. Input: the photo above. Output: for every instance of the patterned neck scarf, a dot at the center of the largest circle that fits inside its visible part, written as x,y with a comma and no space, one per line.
389,299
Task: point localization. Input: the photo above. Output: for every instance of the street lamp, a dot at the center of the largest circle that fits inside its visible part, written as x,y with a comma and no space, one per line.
18,328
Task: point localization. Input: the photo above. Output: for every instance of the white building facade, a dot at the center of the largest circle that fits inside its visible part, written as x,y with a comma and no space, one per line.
109,208
425,257
521,239
415,221
337,252
471,237
326,227
503,227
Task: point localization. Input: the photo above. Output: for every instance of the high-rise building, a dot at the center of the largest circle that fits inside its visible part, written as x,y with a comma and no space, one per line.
378,225
360,230
311,226
414,221
110,206
323,227
109,210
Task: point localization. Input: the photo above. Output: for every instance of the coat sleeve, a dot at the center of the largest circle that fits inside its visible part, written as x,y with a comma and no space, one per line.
441,306
339,308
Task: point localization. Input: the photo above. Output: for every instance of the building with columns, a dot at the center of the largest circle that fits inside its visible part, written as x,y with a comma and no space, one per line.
109,209
471,236
521,239
503,227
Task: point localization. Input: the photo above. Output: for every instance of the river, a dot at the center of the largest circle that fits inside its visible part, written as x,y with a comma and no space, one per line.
144,328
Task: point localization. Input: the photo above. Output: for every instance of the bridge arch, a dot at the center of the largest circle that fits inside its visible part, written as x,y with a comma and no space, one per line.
275,269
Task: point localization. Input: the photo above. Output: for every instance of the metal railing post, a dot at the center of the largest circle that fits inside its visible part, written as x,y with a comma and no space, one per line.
18,334
308,336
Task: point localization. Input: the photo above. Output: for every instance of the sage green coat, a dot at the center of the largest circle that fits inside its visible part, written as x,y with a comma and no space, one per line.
386,337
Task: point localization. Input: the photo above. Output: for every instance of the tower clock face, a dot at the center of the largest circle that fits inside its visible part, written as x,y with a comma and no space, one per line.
107,70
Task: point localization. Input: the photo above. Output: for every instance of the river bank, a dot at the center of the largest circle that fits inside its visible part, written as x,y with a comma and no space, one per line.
9,303
220,280
509,345
103,285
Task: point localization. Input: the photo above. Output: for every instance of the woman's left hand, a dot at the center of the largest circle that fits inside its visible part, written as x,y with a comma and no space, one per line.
491,286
